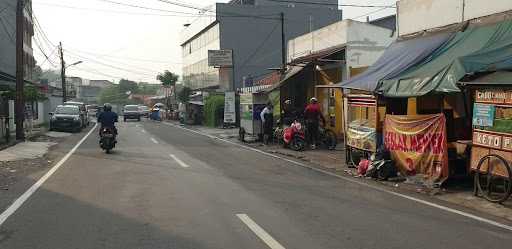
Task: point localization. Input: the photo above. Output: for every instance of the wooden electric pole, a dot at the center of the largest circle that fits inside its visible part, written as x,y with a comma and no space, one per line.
20,74
63,73
283,44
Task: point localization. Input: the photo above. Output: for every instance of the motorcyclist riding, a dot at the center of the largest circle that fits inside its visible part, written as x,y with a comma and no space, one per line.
108,118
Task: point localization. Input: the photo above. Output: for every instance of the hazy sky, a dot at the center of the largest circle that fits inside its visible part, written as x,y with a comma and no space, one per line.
115,41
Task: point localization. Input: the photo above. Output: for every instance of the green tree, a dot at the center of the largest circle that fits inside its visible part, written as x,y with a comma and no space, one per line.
184,94
168,79
128,86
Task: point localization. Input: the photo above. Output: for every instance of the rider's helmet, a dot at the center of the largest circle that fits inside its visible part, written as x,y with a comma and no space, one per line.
288,102
314,100
107,107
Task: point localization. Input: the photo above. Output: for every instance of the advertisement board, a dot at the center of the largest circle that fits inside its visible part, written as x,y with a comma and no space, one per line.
220,58
483,115
230,108
418,145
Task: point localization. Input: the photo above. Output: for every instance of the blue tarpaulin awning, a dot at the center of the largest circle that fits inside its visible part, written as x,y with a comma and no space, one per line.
398,57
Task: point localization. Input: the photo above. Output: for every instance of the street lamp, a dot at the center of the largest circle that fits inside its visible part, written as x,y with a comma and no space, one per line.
63,75
74,64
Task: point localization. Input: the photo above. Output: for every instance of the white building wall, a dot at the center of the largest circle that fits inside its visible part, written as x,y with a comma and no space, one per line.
479,8
365,44
327,37
419,15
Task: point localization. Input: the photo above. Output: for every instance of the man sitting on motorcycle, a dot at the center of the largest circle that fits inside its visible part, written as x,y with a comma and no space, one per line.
107,119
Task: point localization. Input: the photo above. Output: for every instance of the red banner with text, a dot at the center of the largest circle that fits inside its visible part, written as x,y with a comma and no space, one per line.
418,145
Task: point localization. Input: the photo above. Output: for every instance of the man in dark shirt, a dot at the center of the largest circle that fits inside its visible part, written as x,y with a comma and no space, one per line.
108,118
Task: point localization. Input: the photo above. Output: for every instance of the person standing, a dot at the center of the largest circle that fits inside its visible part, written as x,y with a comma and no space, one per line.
312,117
267,121
288,114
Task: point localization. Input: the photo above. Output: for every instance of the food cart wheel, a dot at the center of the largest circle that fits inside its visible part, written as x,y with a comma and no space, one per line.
241,134
355,156
494,188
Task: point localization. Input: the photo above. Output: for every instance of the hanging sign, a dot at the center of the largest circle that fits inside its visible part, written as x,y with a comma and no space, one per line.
418,145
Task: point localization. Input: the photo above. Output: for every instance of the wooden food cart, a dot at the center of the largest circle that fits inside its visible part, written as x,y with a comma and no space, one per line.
363,131
491,153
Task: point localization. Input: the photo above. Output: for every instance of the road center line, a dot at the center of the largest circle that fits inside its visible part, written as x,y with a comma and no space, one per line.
154,140
143,131
427,203
24,197
181,163
262,234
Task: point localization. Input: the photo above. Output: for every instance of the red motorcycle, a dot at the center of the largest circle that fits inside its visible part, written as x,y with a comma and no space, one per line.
294,137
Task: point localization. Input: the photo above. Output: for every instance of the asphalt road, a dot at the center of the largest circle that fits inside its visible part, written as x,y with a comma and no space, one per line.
165,187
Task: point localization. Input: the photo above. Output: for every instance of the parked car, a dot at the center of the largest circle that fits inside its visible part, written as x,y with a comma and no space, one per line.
66,117
84,115
144,110
131,112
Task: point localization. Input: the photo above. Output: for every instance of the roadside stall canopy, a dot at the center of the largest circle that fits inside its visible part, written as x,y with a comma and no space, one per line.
292,71
495,78
399,56
477,49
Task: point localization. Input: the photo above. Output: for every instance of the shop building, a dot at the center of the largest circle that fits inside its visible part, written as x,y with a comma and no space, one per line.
326,56
252,30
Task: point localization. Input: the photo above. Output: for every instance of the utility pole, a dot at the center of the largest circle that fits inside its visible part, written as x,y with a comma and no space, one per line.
283,44
20,74
63,73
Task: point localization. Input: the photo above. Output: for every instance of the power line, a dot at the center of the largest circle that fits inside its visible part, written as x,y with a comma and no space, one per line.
127,65
218,13
144,7
125,58
260,46
106,64
40,49
6,30
369,13
334,4
51,54
118,12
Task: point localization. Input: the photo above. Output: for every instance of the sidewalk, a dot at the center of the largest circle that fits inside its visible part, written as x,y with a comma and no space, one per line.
22,159
334,161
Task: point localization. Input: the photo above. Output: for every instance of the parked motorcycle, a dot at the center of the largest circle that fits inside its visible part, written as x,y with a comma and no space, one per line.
294,137
107,139
327,138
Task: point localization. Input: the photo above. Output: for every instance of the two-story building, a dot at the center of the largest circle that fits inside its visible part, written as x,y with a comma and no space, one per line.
253,31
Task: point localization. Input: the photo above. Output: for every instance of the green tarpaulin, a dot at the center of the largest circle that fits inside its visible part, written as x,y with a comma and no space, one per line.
477,49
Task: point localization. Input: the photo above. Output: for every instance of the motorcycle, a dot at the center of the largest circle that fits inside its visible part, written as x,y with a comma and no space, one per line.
294,137
107,139
327,138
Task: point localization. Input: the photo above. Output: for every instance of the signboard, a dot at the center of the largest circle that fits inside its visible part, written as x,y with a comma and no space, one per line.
492,140
493,96
229,108
220,58
361,137
483,115
418,145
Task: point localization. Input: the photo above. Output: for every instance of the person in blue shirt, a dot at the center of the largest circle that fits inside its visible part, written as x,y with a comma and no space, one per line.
108,118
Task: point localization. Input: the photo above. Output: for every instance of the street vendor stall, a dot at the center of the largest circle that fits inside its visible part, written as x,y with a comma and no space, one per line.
363,129
251,105
491,153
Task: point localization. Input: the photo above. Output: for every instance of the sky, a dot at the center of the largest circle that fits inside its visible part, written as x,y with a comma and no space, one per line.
115,41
